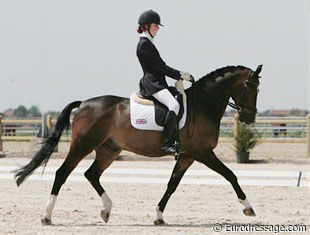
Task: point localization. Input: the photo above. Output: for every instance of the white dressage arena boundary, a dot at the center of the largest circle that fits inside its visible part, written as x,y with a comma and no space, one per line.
161,176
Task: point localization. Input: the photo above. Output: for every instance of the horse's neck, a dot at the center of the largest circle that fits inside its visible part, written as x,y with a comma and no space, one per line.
218,103
213,99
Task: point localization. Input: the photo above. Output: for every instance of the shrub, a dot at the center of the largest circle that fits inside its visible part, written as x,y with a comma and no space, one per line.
247,138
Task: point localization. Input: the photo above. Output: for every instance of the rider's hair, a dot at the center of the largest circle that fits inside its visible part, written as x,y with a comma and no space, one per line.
143,28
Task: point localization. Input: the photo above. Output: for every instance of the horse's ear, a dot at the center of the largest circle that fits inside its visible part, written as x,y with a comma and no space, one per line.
258,70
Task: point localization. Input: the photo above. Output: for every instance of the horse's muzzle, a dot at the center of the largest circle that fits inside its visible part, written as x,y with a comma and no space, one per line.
247,118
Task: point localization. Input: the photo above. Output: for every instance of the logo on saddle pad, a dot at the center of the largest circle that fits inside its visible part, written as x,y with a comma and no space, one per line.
141,121
146,114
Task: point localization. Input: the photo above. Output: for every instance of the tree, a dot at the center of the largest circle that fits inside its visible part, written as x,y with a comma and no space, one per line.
34,111
294,111
21,111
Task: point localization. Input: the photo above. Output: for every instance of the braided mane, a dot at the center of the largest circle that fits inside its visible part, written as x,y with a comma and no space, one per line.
221,73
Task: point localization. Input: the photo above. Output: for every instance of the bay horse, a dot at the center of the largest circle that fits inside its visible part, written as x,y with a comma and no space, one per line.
103,124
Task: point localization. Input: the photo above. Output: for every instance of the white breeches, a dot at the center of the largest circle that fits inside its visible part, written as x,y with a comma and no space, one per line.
166,98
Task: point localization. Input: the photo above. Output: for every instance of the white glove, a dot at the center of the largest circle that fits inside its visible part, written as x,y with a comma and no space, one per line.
186,76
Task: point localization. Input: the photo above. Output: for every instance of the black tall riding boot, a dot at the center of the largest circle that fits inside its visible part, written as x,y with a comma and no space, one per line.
169,128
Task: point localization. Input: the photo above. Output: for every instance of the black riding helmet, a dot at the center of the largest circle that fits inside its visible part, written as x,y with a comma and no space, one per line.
149,17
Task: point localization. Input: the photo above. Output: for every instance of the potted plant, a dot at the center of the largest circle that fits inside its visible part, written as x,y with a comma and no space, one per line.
246,138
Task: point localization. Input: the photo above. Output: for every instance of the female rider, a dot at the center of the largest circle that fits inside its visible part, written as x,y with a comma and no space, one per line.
153,82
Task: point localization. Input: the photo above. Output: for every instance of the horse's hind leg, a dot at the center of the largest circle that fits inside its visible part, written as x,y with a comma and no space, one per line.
179,169
215,164
105,155
72,160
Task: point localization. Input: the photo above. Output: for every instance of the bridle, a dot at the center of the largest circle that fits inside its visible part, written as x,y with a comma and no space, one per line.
251,110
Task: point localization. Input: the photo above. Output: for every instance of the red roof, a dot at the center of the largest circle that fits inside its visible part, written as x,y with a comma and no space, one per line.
9,113
287,112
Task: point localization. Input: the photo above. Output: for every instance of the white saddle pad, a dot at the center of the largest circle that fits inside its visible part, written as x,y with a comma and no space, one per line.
142,116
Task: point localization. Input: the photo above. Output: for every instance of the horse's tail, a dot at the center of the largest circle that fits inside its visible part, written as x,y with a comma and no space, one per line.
43,155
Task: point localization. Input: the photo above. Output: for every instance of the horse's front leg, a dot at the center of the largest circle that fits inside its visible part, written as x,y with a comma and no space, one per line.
182,164
209,159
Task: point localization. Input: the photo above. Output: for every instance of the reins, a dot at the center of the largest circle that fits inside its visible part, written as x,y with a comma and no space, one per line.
234,106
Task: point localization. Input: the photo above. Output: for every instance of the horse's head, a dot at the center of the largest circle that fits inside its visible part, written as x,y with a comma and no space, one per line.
245,96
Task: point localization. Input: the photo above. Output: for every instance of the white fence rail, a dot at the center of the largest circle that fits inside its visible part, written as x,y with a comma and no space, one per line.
275,129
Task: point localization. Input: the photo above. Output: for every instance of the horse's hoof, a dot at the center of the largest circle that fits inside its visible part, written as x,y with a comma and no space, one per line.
46,221
249,211
159,222
105,215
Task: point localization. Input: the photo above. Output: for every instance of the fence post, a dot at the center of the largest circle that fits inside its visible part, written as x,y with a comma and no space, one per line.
50,128
49,123
308,135
1,131
236,126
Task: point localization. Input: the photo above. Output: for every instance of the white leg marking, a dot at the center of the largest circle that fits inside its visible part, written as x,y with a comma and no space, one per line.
246,203
106,201
159,214
107,206
248,209
50,206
